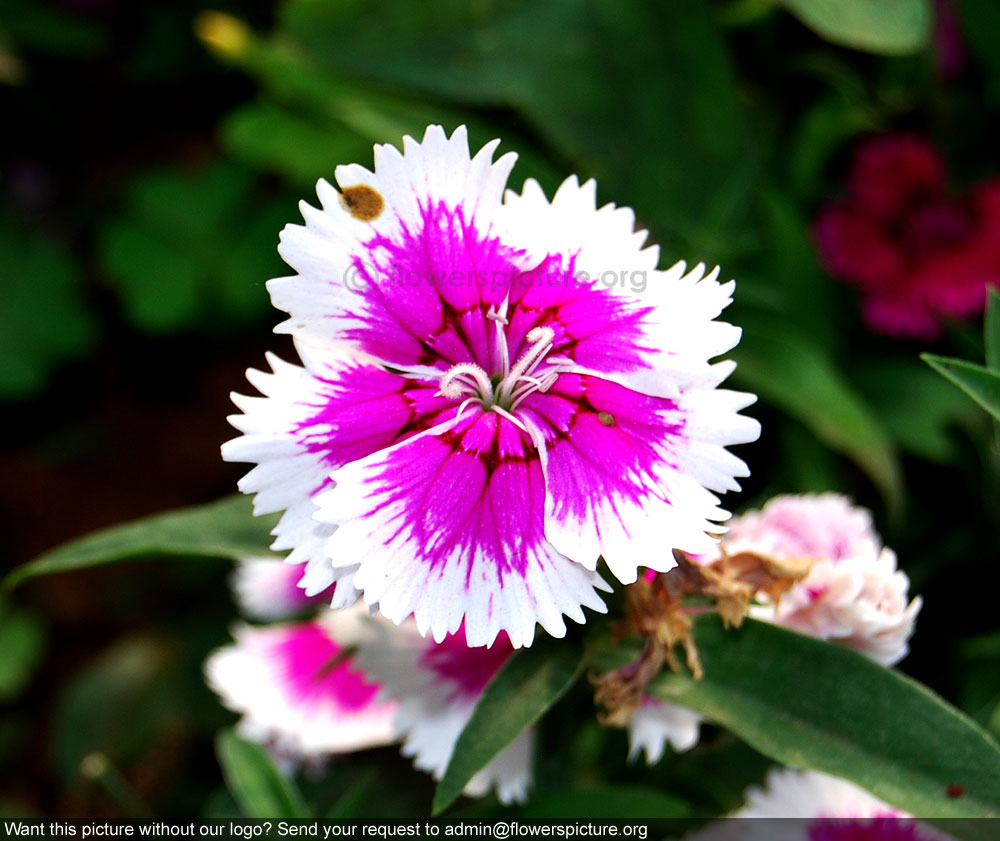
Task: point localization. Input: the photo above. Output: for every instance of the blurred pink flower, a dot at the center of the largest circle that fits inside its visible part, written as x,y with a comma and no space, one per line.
918,253
795,805
267,589
854,595
298,689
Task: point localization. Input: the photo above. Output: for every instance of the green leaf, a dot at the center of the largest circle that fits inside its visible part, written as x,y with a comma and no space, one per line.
190,247
44,319
276,139
159,283
22,641
979,661
190,205
574,60
812,704
222,529
981,384
785,367
890,27
991,330
252,258
257,786
527,685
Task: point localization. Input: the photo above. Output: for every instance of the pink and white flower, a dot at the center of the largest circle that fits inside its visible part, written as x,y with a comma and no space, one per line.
267,589
437,686
854,594
789,793
490,400
826,808
299,690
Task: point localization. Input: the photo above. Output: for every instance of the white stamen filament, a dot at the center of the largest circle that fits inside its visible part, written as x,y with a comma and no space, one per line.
504,413
460,379
520,375
513,385
464,405
499,322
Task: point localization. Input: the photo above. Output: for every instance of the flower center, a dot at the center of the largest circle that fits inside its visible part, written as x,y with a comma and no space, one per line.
534,371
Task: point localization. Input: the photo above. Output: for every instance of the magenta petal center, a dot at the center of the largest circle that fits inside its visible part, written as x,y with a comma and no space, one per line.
313,670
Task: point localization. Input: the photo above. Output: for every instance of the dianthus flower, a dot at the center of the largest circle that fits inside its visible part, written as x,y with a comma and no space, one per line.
267,589
853,594
437,686
789,793
918,253
811,806
829,809
299,690
497,390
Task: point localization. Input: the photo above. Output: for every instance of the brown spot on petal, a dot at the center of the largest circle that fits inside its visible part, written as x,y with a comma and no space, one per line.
606,418
362,202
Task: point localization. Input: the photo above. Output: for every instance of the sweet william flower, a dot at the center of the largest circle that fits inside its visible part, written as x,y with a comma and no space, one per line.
497,390
853,595
436,686
790,793
795,805
918,253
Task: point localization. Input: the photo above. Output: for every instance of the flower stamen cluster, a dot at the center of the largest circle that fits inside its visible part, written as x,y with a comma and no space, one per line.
506,389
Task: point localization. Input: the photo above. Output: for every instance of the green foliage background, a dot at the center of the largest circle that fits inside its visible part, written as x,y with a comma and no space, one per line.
145,176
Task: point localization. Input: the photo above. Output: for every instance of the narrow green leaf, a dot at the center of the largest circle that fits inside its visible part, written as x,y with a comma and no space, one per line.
22,641
991,330
527,685
785,367
256,785
222,529
890,27
981,384
813,704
